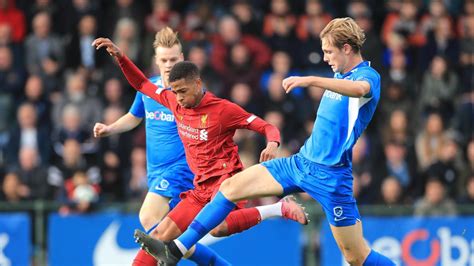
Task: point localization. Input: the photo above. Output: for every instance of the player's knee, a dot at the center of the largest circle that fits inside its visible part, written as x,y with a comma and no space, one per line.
220,231
352,256
229,189
147,221
163,234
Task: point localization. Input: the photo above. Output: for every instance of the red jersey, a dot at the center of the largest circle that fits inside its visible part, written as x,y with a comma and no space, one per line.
206,130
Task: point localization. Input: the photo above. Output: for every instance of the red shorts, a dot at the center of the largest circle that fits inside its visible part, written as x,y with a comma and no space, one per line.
193,201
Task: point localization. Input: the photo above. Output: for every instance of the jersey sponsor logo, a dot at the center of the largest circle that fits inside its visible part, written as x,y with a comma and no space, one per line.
332,95
203,134
191,132
159,116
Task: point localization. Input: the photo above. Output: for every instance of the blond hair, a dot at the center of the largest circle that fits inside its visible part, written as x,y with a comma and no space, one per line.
342,31
166,38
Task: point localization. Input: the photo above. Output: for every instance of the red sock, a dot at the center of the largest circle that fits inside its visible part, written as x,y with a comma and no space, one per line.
144,259
240,220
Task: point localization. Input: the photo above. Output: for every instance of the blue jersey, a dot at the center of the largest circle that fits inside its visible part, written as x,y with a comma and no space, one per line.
342,119
163,145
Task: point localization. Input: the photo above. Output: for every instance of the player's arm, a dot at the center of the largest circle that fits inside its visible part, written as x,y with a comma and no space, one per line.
125,123
345,87
134,75
236,117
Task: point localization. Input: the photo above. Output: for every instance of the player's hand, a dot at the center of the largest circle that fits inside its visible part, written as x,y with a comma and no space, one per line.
290,83
101,130
269,152
111,48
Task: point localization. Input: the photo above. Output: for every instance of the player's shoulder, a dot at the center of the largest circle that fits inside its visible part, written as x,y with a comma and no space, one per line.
156,80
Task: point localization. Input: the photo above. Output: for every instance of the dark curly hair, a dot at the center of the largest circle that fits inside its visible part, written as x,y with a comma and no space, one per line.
184,70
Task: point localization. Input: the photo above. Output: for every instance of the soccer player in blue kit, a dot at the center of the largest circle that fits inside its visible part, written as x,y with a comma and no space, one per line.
167,170
322,167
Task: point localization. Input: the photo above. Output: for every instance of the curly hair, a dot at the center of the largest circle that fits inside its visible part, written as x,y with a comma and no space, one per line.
184,70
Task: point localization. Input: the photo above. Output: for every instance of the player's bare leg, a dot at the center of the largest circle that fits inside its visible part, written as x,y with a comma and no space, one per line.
351,243
253,182
153,209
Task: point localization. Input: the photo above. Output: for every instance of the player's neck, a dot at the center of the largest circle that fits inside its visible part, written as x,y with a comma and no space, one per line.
199,100
353,62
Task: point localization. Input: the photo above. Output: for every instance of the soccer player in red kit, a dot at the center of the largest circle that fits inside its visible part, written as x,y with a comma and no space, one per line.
206,125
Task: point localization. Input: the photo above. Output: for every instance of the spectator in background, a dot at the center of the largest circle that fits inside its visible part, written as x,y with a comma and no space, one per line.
32,175
15,18
15,48
239,69
361,170
438,89
228,36
249,18
241,94
114,94
198,55
13,190
314,15
119,9
310,56
405,23
199,21
78,194
72,128
468,197
465,18
44,51
49,6
437,11
72,12
11,81
76,94
281,64
429,141
391,192
435,202
398,72
70,162
114,153
137,186
449,166
466,55
27,133
360,11
442,42
79,50
394,98
398,164
34,94
127,37
279,27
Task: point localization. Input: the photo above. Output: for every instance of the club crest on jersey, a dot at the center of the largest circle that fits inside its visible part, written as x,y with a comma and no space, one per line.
180,117
204,120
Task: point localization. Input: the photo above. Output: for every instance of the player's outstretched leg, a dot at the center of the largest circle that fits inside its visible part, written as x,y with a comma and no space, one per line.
158,249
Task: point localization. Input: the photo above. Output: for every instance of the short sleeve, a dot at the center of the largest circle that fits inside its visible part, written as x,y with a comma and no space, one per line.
234,116
138,108
372,78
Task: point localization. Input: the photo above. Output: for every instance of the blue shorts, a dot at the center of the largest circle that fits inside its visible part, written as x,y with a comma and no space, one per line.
170,182
330,186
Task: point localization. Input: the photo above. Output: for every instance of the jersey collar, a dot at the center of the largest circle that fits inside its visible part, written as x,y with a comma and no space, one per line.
361,64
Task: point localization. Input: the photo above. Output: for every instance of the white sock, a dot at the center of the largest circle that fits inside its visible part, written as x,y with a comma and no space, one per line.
268,211
180,246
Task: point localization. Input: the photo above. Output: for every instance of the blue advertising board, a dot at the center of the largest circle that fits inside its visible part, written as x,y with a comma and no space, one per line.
107,239
15,239
411,241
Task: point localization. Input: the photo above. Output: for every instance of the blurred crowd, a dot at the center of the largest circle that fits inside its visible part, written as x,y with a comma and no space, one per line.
54,86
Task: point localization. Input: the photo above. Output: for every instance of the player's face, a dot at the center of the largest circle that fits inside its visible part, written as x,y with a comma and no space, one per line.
335,57
166,58
188,92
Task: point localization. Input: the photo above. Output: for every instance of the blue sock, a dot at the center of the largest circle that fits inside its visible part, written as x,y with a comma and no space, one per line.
209,217
204,255
377,259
